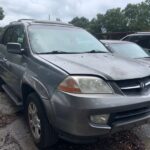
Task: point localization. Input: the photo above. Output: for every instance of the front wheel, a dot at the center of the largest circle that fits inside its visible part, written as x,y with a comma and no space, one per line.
42,132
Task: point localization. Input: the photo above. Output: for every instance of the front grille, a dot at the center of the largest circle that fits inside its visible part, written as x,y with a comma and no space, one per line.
134,86
129,115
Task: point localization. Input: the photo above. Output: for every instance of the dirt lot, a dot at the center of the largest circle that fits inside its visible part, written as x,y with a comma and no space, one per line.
14,134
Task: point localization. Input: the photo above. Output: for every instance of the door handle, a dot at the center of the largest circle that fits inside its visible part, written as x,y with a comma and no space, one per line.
4,60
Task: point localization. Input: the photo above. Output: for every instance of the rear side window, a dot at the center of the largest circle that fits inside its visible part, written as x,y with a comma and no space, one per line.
7,36
142,40
135,39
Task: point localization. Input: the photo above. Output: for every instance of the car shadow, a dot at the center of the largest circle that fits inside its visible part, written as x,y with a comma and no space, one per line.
125,140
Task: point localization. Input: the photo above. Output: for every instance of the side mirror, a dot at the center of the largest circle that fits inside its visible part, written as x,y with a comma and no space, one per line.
14,48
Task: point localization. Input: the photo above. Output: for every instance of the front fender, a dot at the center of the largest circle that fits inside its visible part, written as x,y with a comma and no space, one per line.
42,91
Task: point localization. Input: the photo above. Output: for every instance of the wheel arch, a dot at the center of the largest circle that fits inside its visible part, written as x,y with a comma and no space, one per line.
31,83
28,89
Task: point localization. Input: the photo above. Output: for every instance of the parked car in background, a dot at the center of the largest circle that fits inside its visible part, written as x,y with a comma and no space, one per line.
127,49
141,38
68,84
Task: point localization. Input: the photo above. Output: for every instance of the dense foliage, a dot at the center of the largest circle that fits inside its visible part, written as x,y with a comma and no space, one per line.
1,16
134,17
1,13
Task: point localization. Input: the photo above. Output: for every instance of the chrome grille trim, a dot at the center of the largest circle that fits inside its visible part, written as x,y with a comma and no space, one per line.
139,86
131,87
148,83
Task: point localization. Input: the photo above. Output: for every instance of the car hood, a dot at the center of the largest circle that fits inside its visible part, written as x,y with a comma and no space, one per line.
145,61
103,64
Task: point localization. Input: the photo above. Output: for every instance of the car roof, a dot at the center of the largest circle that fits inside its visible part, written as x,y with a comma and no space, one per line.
142,33
114,42
137,34
47,22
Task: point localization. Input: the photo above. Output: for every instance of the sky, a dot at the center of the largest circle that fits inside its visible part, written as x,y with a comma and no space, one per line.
63,9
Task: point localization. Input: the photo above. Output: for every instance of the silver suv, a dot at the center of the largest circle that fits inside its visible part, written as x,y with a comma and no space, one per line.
68,84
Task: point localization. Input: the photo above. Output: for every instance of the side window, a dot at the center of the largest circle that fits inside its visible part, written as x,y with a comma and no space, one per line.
135,39
18,35
7,36
144,41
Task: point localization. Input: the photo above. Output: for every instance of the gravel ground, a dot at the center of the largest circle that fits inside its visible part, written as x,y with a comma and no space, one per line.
14,134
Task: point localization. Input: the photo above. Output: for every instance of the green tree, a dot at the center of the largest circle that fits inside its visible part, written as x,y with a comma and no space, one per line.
1,13
115,20
131,16
138,16
144,16
80,22
96,24
147,2
1,17
135,17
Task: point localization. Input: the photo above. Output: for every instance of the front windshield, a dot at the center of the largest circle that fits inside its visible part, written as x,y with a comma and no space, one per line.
46,39
128,50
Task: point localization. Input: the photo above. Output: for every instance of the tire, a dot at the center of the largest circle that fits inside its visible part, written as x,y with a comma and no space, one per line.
45,135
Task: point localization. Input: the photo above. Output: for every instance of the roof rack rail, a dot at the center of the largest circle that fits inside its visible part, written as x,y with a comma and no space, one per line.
13,22
143,32
52,22
40,21
20,20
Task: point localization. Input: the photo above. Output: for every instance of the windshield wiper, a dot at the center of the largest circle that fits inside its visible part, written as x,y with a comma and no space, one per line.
147,57
63,52
56,52
95,51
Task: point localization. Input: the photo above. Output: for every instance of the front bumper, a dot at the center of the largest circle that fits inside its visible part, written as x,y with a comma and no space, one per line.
72,113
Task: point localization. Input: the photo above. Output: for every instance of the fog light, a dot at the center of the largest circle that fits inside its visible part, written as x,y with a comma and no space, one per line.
100,119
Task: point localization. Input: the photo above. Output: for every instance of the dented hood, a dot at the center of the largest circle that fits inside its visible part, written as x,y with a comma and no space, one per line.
144,60
102,64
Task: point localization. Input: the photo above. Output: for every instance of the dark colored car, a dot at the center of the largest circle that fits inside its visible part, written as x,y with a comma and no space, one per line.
127,49
68,84
141,38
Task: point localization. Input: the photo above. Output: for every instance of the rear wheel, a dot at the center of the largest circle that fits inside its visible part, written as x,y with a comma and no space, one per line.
42,132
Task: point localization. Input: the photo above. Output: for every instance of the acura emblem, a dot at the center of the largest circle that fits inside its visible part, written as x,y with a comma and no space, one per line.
142,85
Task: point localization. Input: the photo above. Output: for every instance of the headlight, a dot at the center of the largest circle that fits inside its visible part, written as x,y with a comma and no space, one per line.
85,84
